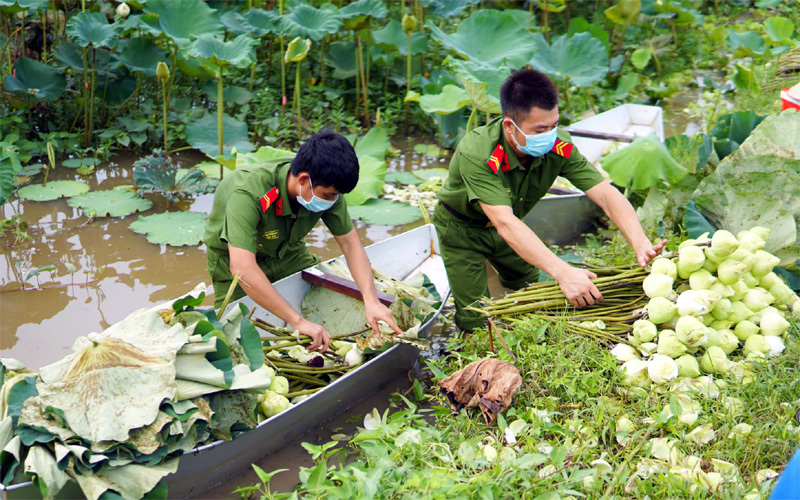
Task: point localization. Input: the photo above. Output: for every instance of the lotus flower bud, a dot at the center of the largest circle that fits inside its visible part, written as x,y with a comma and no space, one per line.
739,290
661,369
766,311
691,302
657,285
725,291
769,280
660,310
701,280
756,346
713,256
123,10
687,243
714,361
750,241
745,329
354,356
724,243
644,330
761,232
162,72
663,265
687,366
409,23
721,324
757,299
776,346
722,309
690,330
274,403
648,348
624,352
729,271
670,345
635,372
782,293
739,311
690,260
724,339
709,266
765,262
710,298
280,385
773,324
749,280
740,254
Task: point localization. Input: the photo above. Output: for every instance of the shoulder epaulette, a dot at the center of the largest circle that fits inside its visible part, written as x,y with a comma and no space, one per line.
498,160
269,198
562,148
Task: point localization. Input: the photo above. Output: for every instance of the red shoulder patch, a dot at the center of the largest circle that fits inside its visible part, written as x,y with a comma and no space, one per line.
498,159
269,198
562,148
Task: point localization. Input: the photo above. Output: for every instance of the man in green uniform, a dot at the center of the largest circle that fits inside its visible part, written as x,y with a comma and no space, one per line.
497,174
261,215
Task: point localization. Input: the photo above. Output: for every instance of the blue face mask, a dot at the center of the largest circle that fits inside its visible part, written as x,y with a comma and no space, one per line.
316,204
536,144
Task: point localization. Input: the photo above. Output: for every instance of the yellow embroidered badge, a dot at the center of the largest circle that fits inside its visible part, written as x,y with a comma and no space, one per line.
271,235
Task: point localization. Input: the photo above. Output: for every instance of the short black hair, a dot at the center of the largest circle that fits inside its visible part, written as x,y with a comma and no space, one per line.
524,90
329,159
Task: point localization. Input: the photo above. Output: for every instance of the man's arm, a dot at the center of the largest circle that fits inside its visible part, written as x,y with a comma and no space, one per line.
360,268
574,282
256,284
622,214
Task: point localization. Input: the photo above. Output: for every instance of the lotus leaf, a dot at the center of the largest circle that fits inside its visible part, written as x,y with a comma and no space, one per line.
448,102
736,127
641,57
385,213
262,22
427,174
141,54
685,16
472,40
202,135
262,155
306,21
745,81
9,167
371,172
35,79
342,57
92,28
392,38
403,178
644,163
172,228
131,481
234,23
452,8
155,174
747,44
297,50
357,13
110,203
336,312
374,143
779,30
47,475
79,162
116,89
581,25
14,6
238,52
181,20
231,93
52,191
552,5
777,135
582,59
482,83
196,68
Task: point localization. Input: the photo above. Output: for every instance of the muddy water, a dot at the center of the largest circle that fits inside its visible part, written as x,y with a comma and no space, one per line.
118,271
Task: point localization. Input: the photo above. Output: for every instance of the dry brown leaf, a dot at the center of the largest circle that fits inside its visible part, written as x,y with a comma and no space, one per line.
488,384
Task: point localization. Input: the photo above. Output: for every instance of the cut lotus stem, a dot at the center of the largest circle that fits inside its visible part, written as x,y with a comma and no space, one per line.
302,393
229,295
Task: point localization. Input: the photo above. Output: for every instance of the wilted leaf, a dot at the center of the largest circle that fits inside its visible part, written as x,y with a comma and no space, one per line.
297,50
385,213
172,228
52,191
111,203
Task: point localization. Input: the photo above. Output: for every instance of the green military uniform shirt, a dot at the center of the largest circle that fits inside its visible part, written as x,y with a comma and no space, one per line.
252,211
485,168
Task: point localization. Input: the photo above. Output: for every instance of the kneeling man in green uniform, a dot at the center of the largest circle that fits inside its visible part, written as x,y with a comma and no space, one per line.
497,174
259,220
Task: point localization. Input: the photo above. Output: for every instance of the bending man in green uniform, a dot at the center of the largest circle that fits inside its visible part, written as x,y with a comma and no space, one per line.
497,174
259,220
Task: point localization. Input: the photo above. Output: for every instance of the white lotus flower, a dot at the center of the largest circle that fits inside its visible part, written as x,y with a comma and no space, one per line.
660,310
664,265
661,369
372,420
776,346
624,352
773,324
657,285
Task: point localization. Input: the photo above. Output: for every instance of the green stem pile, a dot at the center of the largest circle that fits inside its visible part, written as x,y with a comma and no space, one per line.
623,298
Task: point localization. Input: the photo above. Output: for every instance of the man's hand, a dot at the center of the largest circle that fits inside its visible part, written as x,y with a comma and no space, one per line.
647,252
320,337
576,284
377,311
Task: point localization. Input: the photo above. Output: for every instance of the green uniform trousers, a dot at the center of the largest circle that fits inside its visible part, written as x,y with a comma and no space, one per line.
465,248
296,258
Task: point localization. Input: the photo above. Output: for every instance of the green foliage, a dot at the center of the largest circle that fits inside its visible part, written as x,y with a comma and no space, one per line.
643,164
385,213
181,20
92,28
582,59
306,21
52,191
35,80
237,52
155,174
172,228
202,135
110,203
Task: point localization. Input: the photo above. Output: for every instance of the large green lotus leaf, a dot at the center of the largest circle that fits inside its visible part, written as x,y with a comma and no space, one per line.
482,83
746,44
777,135
371,172
428,174
234,23
196,68
262,22
172,228
686,16
262,155
153,174
306,21
239,52
14,6
181,20
491,37
644,163
403,178
230,93
451,8
342,57
385,213
449,101
374,143
35,79
430,150
52,191
111,203
581,25
362,9
69,55
297,50
779,30
582,58
202,134
392,38
116,89
141,54
130,481
92,28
